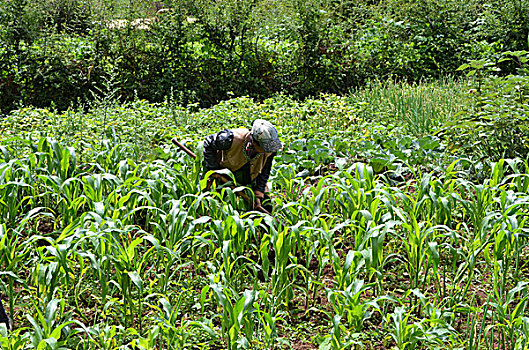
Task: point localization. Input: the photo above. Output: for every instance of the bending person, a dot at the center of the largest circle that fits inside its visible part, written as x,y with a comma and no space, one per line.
248,154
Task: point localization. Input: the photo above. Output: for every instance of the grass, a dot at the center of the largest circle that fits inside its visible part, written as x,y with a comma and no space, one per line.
420,107
109,238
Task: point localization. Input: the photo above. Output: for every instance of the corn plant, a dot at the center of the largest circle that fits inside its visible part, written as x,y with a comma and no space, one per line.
128,266
380,236
421,249
13,252
51,327
16,340
176,333
507,312
105,336
284,270
348,305
408,335
237,321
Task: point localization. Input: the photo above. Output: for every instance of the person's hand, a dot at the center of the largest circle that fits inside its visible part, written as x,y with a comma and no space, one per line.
258,203
220,179
259,207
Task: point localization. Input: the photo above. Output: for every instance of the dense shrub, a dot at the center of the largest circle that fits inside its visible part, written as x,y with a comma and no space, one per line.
496,124
61,51
43,58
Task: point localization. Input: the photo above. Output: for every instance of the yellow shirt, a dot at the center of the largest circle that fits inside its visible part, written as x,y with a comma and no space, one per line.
234,159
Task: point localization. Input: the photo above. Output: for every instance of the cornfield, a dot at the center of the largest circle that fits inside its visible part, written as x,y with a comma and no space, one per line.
102,248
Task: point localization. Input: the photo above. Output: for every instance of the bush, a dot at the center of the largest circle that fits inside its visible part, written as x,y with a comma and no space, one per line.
497,124
57,51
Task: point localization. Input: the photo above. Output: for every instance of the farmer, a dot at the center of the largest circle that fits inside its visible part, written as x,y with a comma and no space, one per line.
247,153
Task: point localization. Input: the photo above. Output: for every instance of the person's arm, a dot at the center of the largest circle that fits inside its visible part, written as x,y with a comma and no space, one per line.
216,142
262,178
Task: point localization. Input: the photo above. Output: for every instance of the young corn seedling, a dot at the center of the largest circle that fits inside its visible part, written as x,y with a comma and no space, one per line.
417,246
105,337
178,333
237,321
13,251
127,262
348,305
268,316
51,326
283,242
406,335
17,340
507,312
47,279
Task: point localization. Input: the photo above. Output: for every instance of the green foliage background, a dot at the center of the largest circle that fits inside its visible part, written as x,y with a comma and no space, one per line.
57,51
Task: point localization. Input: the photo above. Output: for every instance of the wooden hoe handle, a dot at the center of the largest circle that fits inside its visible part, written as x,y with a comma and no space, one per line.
184,148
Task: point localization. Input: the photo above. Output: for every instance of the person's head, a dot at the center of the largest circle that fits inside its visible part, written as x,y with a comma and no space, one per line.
265,135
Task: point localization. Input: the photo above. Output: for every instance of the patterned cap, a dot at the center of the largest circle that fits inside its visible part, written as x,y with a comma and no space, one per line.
266,135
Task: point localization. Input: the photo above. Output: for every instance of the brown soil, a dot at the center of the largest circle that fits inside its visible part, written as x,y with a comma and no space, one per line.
299,345
45,226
